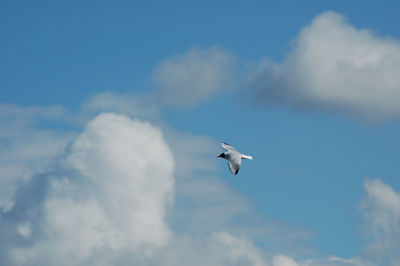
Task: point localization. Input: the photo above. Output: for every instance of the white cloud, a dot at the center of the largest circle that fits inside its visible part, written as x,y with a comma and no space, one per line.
107,203
110,199
193,154
24,229
194,76
381,209
205,203
282,260
134,166
109,196
20,117
88,210
218,249
110,202
335,261
335,67
127,104
25,149
239,250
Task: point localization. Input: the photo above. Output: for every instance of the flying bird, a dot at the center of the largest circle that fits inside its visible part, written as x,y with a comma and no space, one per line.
233,156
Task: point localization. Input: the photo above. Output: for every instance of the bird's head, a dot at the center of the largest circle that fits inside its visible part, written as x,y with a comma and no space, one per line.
222,155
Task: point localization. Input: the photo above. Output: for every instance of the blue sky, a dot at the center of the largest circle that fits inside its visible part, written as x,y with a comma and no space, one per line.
308,88
92,47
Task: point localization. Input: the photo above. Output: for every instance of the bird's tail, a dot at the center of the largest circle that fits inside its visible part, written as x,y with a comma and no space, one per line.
248,157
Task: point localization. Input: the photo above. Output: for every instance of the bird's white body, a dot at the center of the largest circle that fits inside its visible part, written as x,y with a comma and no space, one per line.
234,157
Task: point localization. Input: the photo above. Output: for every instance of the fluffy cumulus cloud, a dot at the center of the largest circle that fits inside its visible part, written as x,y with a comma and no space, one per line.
108,196
133,166
126,192
108,200
335,67
196,75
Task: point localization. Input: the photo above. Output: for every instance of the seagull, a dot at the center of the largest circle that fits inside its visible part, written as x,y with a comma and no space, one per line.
233,156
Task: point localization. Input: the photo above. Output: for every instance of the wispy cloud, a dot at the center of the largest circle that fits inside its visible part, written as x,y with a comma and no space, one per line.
128,104
381,209
26,148
194,76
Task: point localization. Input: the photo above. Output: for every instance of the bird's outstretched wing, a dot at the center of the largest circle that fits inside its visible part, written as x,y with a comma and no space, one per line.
234,164
227,147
